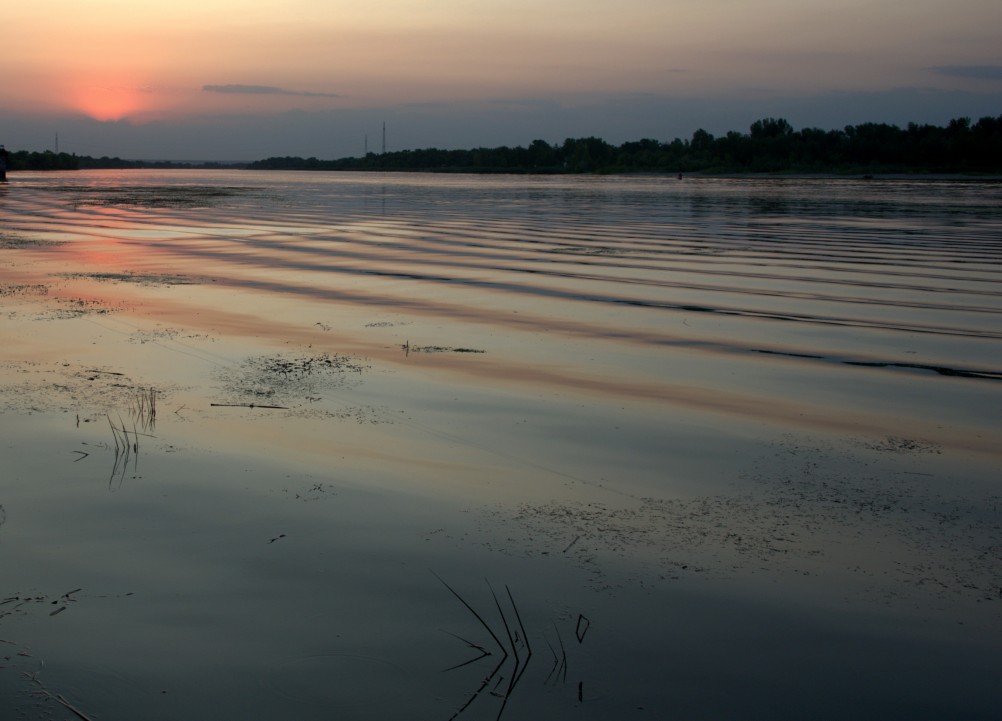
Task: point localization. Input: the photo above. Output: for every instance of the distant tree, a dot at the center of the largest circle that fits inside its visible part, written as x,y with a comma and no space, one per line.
46,160
586,154
771,128
701,141
541,155
771,145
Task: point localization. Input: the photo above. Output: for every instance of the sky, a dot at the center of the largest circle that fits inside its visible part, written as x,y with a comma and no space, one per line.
233,80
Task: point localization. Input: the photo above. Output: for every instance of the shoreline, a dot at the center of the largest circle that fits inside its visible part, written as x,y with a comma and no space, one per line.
723,175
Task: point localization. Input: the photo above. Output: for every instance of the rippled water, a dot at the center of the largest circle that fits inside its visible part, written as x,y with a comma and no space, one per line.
748,429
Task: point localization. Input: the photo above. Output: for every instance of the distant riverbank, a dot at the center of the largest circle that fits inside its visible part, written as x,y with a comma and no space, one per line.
771,146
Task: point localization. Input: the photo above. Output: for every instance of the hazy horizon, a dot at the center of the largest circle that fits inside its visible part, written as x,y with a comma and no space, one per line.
234,81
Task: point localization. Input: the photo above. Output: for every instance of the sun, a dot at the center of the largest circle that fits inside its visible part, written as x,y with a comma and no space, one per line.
110,97
106,102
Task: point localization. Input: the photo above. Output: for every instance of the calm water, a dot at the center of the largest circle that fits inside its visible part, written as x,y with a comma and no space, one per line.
721,448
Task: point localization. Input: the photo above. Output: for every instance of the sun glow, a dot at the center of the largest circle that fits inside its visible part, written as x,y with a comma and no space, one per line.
108,100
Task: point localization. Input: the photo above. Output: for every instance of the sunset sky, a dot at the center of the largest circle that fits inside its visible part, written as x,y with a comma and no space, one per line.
248,79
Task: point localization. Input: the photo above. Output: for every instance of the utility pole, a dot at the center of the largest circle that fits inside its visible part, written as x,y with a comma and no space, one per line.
384,137
57,143
366,147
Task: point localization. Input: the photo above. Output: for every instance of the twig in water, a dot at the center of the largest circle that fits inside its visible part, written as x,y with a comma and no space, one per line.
504,621
563,656
247,405
525,639
123,449
483,652
494,671
144,408
114,433
517,637
58,698
576,539
556,661
475,614
559,663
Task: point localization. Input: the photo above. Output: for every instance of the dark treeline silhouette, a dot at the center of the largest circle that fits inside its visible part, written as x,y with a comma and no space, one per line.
47,160
24,160
771,145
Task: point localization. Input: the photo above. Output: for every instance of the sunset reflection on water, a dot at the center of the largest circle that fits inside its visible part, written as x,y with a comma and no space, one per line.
726,420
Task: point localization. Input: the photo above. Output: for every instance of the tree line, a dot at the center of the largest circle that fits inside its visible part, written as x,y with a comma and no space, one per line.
770,145
48,160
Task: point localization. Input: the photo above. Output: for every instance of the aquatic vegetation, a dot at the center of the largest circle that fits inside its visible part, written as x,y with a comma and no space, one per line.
150,196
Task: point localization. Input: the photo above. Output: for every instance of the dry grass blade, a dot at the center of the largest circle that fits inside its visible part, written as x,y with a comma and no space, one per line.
114,434
525,638
517,638
487,679
247,405
483,652
144,408
475,614
58,698
561,668
504,620
126,448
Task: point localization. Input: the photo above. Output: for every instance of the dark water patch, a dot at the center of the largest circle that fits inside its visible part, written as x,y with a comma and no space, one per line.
23,289
157,335
941,370
15,241
893,444
140,278
515,255
789,354
408,348
386,324
811,508
565,294
89,393
68,308
149,196
281,380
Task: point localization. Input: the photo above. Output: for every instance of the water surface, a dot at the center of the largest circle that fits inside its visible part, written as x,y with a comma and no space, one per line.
709,448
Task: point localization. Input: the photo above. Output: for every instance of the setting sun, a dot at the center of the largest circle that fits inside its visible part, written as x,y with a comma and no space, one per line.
246,80
108,99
